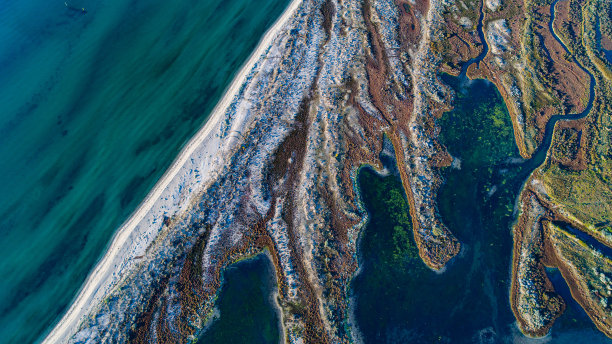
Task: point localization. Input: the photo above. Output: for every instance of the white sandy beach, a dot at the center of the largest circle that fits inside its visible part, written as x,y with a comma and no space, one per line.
203,156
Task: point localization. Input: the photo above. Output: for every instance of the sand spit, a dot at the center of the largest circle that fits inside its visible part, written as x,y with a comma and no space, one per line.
194,168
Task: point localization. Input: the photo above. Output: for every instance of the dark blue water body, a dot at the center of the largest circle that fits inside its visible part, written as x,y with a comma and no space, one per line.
485,48
399,299
574,326
247,310
587,238
95,106
574,310
608,55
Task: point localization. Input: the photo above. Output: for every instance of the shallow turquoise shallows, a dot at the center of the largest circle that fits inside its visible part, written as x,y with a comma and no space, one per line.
96,100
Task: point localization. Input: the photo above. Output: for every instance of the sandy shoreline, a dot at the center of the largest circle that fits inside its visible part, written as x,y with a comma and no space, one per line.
172,193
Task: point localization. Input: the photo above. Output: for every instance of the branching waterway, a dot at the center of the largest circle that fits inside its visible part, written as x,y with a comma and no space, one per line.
398,298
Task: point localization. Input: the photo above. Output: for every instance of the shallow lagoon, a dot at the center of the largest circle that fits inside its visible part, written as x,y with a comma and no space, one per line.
95,106
399,299
247,312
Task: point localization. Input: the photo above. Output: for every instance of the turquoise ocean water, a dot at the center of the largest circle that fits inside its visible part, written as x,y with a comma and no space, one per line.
94,107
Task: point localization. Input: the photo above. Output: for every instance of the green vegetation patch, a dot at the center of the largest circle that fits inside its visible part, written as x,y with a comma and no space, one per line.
479,126
582,194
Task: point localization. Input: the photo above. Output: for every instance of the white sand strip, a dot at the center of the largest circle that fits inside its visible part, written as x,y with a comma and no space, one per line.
204,154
